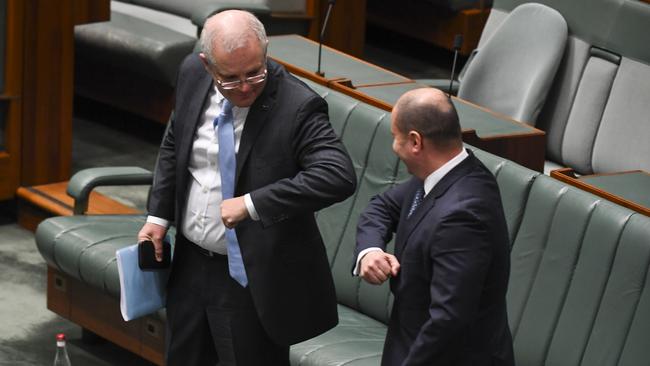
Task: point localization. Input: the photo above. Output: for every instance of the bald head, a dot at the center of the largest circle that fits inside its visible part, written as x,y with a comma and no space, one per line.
231,30
429,112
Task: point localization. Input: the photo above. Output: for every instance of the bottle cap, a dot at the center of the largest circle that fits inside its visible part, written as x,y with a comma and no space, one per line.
60,337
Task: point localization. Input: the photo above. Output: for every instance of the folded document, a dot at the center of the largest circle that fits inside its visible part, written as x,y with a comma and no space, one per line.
141,292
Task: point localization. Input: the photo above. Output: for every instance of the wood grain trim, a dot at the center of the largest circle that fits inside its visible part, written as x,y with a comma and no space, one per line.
568,176
54,199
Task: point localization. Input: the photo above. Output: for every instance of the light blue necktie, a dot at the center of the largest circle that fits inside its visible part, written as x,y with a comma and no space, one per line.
417,200
227,168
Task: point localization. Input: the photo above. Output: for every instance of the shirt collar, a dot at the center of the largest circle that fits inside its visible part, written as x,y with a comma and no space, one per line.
439,173
236,110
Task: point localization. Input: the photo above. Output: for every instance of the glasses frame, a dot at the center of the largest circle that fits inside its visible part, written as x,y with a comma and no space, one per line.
251,80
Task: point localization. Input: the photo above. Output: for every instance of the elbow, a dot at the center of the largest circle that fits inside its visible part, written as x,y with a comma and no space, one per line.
349,183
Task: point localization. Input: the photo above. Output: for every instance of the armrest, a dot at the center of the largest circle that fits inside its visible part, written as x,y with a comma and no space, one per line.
84,181
204,12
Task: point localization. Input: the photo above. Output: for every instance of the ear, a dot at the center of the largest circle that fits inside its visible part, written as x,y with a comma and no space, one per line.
204,61
415,141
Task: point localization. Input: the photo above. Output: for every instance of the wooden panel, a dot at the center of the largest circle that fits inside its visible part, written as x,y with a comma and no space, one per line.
422,20
346,30
153,340
100,313
48,85
10,158
88,11
94,310
47,108
57,293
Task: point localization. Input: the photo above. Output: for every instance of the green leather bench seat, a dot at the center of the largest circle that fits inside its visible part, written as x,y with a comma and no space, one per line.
134,44
357,340
84,246
578,287
578,291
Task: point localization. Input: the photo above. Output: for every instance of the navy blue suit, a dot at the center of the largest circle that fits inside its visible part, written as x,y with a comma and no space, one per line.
449,304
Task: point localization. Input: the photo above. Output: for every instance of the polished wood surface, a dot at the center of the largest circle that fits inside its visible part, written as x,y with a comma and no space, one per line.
11,100
44,39
423,21
569,176
346,30
37,203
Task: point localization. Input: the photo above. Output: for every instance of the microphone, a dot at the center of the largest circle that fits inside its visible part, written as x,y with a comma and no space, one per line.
322,34
458,41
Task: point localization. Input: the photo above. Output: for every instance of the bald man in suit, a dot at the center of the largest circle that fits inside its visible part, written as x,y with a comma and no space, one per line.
449,273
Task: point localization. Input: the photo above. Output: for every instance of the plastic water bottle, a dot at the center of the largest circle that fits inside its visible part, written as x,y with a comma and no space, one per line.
61,358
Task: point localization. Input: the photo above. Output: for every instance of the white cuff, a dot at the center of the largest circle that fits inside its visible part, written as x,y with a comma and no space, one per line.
158,221
251,207
355,271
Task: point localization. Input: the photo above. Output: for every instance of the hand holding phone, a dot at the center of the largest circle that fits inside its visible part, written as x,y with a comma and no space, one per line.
147,256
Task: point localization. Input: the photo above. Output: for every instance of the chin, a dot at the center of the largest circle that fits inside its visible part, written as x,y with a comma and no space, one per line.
243,101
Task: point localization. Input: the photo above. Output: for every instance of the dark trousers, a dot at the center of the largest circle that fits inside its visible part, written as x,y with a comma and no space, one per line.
212,319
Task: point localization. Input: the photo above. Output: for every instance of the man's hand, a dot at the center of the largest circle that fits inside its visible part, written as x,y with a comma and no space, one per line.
377,266
155,233
233,211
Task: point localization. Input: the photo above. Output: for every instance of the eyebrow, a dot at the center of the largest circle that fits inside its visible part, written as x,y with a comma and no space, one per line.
248,73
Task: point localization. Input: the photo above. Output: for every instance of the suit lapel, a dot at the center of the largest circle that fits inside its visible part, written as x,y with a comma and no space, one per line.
191,117
256,118
407,225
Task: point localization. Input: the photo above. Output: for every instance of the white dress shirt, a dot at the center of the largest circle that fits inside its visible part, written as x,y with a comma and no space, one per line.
429,182
202,222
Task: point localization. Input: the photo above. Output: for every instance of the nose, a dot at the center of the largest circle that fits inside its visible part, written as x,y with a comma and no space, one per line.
244,87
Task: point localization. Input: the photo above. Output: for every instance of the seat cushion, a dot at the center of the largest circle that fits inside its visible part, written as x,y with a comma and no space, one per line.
516,83
357,340
136,45
84,246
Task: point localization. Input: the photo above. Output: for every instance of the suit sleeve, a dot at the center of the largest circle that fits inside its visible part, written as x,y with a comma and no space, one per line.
162,195
379,220
460,257
326,174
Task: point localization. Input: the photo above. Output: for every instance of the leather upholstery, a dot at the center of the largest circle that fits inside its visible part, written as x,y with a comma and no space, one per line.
140,46
596,112
514,69
578,292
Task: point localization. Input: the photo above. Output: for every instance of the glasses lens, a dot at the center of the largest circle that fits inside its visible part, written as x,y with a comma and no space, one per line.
257,78
228,85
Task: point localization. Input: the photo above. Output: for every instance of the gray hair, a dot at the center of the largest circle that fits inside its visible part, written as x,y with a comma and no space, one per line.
232,40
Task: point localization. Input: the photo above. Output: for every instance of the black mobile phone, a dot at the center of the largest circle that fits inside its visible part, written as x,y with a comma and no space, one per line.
147,257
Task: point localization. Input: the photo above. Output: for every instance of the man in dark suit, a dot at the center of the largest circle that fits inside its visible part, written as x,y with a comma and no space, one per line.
250,274
450,270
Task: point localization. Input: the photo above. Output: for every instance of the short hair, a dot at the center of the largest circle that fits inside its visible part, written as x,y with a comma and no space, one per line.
435,118
233,40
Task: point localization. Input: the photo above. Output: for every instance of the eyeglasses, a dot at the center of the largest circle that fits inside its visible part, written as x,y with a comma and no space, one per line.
252,80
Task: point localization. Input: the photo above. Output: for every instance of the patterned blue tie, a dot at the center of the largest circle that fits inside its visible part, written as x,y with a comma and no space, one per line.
417,200
227,168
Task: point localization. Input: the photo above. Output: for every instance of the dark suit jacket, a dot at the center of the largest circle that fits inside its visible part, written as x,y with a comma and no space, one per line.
292,163
449,304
